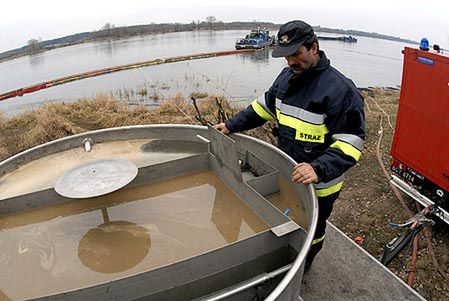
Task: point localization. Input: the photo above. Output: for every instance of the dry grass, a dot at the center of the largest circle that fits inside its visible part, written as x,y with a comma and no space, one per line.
57,120
198,95
3,150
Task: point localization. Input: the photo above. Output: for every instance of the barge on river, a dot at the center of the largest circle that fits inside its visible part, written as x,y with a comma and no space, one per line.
346,39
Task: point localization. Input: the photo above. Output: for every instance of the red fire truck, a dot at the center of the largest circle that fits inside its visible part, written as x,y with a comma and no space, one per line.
420,147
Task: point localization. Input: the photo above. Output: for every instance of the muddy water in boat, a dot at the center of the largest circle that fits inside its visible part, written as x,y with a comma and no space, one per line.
287,198
84,242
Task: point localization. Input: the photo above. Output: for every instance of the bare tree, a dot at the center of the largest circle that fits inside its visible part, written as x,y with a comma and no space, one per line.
108,26
195,25
34,45
106,29
210,20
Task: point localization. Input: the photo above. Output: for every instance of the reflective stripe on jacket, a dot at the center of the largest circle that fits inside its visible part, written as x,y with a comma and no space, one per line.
320,117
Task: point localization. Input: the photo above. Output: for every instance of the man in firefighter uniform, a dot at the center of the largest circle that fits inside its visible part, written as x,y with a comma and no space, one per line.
320,118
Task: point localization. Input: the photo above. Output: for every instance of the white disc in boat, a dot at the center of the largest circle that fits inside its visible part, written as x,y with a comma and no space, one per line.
95,178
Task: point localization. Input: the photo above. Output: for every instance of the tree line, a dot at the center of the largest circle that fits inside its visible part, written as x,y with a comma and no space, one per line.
211,23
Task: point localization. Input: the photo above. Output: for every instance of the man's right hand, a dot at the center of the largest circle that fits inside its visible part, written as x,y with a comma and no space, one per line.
222,128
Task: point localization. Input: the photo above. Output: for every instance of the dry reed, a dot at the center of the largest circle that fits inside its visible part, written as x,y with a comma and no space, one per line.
57,120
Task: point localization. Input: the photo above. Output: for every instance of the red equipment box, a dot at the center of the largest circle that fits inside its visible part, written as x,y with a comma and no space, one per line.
420,147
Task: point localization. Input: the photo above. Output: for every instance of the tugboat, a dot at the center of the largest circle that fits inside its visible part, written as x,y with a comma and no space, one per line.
256,39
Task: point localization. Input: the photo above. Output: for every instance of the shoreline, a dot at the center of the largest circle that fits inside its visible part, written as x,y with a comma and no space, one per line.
102,39
152,29
153,102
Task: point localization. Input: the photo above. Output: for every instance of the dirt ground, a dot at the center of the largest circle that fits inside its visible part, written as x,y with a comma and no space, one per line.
367,203
364,209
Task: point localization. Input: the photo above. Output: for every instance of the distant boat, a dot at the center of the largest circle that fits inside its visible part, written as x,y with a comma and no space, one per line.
348,39
256,39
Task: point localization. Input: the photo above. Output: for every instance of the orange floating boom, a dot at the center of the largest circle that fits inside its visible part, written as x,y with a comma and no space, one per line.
79,76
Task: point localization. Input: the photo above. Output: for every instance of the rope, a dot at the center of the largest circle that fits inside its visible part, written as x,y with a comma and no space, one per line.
367,53
383,111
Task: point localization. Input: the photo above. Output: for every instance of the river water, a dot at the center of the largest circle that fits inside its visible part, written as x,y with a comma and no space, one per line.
370,62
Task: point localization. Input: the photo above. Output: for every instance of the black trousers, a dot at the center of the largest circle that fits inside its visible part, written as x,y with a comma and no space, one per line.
325,206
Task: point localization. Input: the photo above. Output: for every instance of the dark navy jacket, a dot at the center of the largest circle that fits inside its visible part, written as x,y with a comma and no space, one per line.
320,115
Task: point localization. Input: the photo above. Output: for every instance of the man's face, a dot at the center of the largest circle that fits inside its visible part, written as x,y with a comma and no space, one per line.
302,59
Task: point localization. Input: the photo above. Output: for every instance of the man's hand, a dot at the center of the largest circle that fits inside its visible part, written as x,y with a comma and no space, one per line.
304,173
222,128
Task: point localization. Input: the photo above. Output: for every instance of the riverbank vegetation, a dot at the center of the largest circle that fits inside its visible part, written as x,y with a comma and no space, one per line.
56,120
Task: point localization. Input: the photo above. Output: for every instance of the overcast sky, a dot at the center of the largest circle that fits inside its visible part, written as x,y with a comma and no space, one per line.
411,19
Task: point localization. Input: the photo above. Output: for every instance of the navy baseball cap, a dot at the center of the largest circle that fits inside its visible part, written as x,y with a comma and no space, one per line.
291,36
